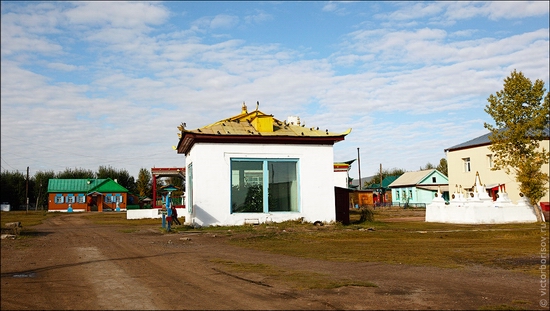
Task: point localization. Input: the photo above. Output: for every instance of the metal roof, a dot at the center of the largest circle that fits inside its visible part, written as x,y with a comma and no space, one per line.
386,181
411,178
478,141
84,185
484,140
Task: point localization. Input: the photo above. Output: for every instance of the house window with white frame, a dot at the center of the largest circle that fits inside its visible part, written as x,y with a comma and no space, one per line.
71,199
490,161
81,199
264,185
59,199
467,167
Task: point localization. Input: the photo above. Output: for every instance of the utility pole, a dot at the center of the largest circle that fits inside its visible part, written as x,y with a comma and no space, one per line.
27,190
359,166
381,187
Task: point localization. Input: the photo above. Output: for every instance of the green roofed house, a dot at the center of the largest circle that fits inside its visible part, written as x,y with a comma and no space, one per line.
85,195
417,189
382,195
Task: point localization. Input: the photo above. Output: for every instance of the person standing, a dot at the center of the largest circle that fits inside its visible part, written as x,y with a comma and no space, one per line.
175,216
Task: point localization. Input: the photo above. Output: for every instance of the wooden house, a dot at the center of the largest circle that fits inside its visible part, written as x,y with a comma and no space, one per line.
85,195
419,188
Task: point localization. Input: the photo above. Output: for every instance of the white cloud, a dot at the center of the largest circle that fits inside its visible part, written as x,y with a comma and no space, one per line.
224,21
422,88
63,67
258,18
330,7
117,14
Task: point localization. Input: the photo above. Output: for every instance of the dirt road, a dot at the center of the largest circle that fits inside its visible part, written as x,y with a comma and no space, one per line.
74,264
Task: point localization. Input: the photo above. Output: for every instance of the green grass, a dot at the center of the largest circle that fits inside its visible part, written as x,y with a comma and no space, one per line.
299,280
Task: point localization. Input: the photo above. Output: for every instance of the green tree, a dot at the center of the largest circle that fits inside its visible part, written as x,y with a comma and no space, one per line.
443,167
143,184
76,173
13,188
385,173
121,176
521,117
179,183
428,166
40,188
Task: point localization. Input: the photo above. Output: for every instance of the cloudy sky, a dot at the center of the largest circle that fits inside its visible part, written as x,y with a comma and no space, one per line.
85,84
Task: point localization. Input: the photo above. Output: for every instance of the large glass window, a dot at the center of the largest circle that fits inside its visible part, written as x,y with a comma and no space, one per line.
262,186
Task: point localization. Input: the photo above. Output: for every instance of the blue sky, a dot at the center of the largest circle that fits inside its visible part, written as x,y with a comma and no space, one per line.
85,84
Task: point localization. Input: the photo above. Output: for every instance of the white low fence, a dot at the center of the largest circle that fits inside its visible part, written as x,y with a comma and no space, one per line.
476,213
148,213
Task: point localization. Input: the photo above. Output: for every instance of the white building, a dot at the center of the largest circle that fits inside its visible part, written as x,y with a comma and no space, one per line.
253,168
472,156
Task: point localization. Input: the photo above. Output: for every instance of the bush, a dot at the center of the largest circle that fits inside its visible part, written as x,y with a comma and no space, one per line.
367,214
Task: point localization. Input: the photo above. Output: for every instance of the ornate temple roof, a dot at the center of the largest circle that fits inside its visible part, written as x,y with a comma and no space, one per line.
256,127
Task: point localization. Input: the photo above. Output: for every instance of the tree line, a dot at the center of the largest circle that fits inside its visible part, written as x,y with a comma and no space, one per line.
14,184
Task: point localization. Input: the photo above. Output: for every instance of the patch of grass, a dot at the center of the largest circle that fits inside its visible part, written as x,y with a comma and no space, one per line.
299,280
114,218
27,219
506,246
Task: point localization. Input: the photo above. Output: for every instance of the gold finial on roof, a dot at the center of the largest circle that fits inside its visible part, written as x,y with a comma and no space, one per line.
244,109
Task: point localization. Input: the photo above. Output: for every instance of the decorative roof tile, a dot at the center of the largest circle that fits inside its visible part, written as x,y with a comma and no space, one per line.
255,126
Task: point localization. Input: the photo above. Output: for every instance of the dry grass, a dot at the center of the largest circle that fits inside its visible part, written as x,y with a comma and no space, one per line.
507,246
116,218
299,280
27,219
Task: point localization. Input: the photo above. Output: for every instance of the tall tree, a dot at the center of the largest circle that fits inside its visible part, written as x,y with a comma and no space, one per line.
385,173
121,176
40,189
443,167
521,118
428,166
13,188
76,173
143,184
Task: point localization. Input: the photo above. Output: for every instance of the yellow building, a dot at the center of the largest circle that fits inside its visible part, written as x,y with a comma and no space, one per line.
465,159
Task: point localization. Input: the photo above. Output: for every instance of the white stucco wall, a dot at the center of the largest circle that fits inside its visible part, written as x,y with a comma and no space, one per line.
341,179
212,177
480,212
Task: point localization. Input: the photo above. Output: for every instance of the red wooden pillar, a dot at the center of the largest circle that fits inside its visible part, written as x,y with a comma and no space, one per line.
155,191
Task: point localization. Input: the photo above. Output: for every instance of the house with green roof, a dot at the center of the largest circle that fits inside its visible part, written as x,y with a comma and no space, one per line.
381,194
86,195
419,188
